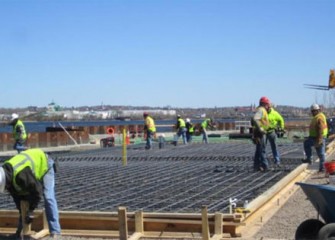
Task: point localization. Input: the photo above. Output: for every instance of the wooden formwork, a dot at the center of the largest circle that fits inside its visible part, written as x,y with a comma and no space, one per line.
131,225
45,139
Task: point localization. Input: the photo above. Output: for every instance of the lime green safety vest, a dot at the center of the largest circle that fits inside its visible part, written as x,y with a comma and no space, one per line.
149,122
204,124
181,123
191,129
275,120
35,159
314,125
19,123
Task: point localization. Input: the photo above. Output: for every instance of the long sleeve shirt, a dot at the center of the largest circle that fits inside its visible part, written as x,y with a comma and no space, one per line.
275,120
27,182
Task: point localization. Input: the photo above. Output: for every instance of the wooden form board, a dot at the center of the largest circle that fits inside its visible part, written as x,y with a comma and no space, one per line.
133,226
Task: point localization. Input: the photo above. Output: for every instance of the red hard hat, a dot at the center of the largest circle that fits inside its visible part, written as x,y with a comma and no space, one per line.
264,100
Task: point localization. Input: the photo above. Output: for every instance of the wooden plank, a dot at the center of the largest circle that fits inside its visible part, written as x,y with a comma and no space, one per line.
218,224
154,220
123,227
136,236
226,216
205,226
26,230
45,231
174,235
89,233
139,222
10,230
45,221
40,234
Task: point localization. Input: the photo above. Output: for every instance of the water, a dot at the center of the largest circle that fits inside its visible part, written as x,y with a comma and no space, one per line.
41,126
166,124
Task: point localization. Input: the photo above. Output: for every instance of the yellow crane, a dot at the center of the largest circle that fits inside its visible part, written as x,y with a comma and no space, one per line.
331,83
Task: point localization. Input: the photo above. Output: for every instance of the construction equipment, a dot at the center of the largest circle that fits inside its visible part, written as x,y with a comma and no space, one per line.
331,83
322,198
107,142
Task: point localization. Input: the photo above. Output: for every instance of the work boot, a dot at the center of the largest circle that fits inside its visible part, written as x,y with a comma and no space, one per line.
55,236
309,161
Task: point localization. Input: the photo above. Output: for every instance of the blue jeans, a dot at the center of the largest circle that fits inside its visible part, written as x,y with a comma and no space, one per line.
272,137
260,160
320,151
50,203
182,132
189,137
149,139
204,136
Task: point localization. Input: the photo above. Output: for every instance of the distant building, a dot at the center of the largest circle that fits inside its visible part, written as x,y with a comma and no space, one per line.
53,107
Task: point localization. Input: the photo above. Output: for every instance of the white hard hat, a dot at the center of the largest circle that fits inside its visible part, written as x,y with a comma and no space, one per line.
188,120
315,107
14,116
2,180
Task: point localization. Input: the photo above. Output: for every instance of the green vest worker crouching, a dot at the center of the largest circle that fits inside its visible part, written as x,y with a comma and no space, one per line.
27,176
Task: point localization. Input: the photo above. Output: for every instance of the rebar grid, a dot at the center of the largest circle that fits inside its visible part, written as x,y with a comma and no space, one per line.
171,179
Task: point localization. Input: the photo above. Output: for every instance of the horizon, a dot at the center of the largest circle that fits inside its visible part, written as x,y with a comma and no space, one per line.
158,107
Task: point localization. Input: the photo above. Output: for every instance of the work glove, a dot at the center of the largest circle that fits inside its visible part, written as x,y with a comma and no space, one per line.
280,132
29,217
262,131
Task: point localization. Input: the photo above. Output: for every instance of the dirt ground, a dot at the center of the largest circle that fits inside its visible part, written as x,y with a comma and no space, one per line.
297,209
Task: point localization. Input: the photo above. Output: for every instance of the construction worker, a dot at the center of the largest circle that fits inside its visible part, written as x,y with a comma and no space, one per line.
189,130
276,127
150,129
260,123
181,130
28,176
318,132
19,133
207,123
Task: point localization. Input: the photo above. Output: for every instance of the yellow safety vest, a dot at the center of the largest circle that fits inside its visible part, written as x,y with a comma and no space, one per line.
191,128
204,124
15,134
181,123
264,122
314,125
35,159
275,120
150,123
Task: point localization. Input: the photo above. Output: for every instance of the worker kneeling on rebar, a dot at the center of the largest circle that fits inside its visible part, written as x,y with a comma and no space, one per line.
27,176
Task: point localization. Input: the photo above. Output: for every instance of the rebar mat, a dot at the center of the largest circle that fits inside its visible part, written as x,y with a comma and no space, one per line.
179,178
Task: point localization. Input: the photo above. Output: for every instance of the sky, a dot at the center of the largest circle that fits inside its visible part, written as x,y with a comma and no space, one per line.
158,53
